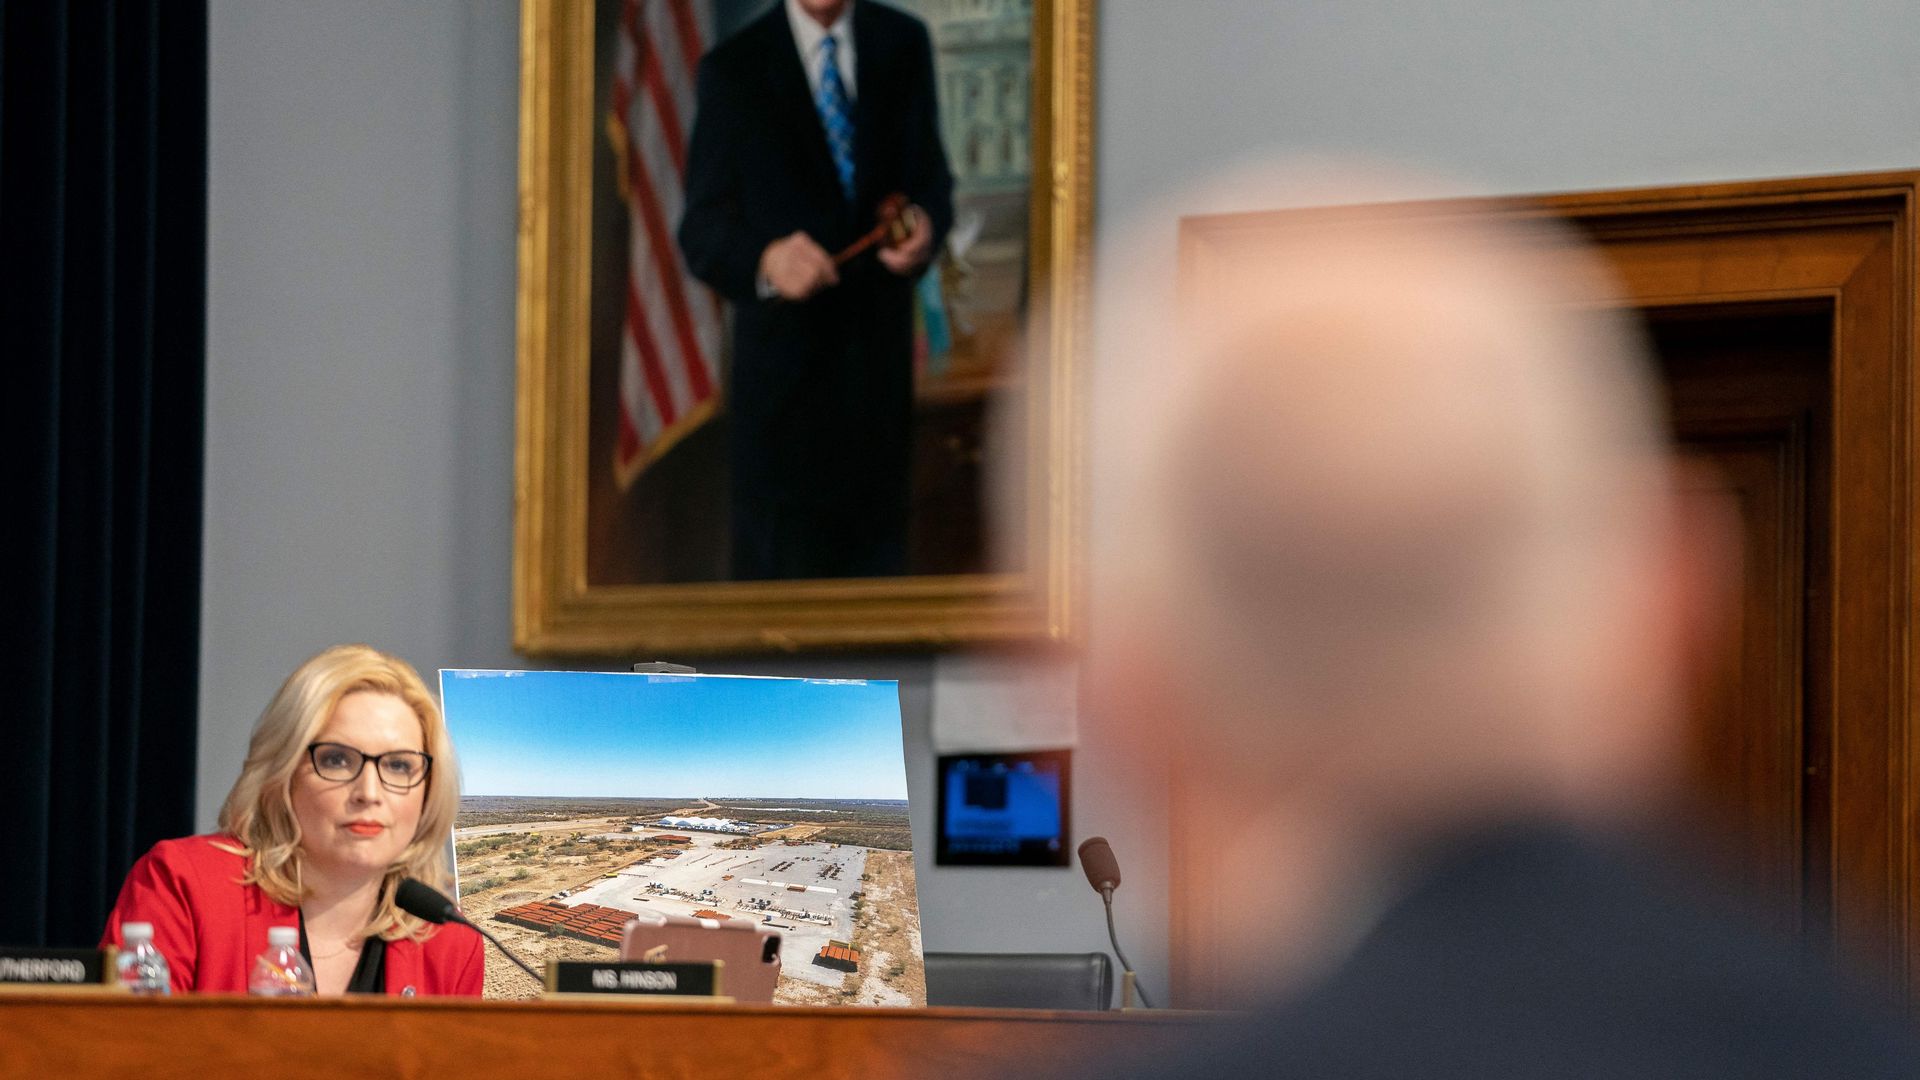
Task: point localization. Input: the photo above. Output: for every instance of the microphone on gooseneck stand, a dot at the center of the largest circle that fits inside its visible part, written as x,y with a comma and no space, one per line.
1103,873
423,901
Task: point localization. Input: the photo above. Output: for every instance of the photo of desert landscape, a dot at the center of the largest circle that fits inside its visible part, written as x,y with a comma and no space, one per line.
597,796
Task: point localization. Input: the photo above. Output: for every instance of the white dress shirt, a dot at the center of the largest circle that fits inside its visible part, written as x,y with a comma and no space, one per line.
808,34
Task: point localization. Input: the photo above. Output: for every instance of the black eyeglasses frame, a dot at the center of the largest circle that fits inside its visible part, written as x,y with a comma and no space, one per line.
313,758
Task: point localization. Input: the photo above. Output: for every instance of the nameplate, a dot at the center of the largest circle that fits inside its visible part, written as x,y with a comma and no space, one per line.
55,967
650,980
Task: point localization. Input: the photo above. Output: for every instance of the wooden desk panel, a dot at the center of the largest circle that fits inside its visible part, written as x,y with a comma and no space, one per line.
72,1037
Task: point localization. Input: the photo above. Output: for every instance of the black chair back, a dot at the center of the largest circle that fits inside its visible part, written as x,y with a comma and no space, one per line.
1081,981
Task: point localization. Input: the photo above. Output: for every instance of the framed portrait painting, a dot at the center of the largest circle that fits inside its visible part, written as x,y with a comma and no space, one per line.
803,290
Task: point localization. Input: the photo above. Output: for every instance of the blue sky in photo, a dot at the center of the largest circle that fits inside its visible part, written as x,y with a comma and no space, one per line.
607,734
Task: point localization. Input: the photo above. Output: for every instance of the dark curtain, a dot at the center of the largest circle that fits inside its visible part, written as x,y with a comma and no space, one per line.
103,147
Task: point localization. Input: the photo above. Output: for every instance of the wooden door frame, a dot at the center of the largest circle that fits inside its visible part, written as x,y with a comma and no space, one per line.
1847,243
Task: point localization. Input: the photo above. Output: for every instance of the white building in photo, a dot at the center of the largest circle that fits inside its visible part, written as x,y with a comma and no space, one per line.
708,824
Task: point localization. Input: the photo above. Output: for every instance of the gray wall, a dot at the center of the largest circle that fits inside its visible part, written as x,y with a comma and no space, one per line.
359,344
1512,95
360,333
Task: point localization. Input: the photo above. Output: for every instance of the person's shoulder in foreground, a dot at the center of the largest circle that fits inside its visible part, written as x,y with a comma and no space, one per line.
1534,952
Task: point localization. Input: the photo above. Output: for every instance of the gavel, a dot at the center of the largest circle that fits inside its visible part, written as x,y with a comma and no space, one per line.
892,227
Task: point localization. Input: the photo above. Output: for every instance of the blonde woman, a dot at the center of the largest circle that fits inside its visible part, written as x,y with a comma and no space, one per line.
349,786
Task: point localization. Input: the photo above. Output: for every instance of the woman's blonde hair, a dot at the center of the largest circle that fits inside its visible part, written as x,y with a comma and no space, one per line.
259,810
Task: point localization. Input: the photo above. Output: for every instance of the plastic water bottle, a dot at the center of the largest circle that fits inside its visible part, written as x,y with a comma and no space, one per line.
281,971
141,967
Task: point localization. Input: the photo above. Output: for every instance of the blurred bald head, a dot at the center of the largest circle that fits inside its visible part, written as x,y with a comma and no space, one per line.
1393,496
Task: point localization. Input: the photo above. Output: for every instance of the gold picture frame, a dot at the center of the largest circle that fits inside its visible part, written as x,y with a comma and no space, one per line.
558,611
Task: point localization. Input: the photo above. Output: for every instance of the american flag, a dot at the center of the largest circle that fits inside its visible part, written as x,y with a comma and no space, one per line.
670,346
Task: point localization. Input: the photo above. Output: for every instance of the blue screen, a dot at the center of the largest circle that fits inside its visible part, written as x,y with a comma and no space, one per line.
1004,807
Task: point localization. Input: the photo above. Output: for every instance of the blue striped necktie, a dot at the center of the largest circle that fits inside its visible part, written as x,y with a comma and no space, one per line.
836,116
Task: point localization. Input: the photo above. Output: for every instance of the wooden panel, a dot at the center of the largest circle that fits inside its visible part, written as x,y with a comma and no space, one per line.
76,1037
1747,724
1750,408
1843,245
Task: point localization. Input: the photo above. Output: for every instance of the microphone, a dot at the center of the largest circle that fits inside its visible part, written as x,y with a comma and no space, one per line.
1103,873
423,901
1103,870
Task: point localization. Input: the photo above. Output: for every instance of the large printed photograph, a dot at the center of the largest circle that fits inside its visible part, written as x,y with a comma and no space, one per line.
600,796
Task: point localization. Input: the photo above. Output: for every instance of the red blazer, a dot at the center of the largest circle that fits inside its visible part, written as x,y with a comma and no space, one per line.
210,927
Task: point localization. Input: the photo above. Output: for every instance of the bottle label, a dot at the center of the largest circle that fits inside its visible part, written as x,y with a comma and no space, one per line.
281,972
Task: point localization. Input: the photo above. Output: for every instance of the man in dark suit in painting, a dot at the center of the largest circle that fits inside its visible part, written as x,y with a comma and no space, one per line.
808,119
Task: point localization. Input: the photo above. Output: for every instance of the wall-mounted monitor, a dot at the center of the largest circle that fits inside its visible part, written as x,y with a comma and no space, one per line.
1005,809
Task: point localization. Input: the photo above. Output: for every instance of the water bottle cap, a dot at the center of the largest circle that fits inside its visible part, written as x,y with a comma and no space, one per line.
283,937
131,932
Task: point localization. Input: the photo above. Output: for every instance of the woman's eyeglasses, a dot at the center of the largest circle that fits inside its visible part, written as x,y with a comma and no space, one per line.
397,769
